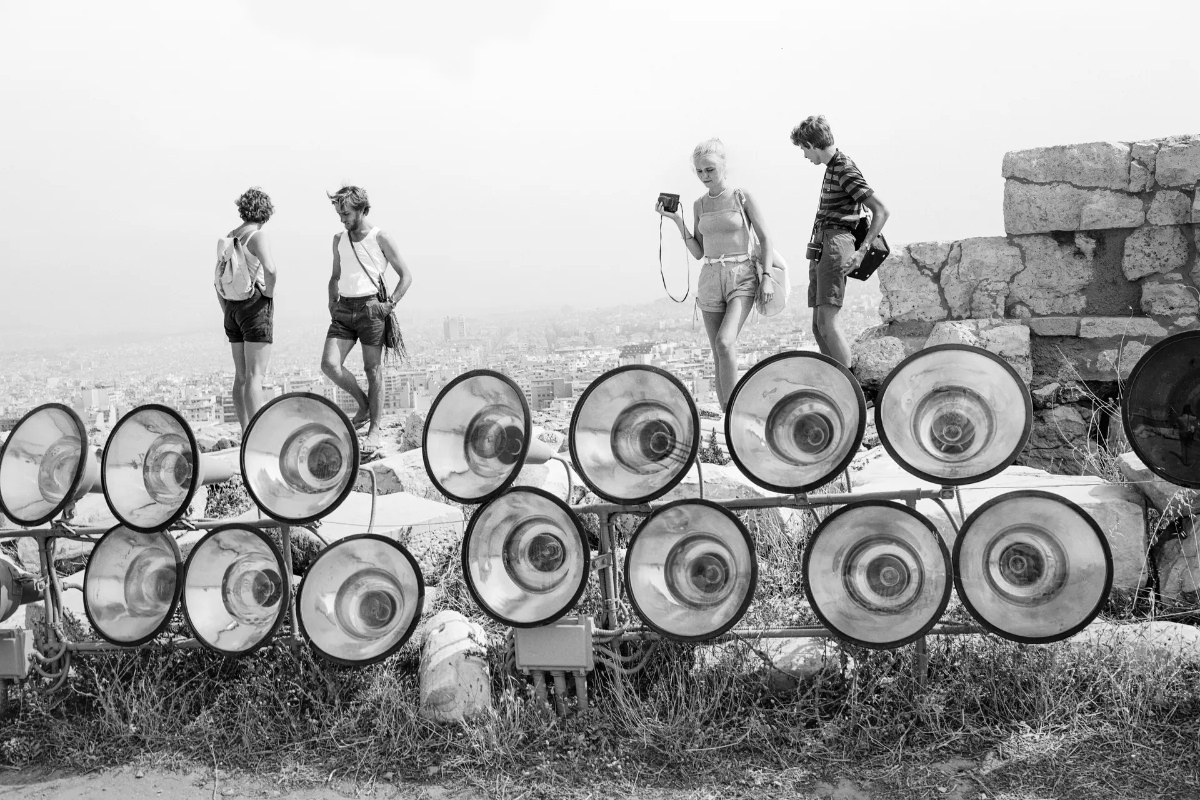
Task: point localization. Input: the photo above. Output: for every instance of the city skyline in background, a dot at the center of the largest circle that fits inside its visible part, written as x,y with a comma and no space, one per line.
553,357
515,150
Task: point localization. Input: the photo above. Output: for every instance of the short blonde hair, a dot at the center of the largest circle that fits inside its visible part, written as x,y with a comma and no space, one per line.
713,148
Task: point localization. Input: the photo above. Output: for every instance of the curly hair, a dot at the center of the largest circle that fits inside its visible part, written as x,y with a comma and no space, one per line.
813,132
354,197
713,148
255,205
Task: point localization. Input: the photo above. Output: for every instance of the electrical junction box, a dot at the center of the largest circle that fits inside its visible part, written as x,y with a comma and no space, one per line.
564,646
16,648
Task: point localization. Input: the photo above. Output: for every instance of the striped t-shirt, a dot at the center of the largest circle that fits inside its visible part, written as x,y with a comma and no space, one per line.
842,190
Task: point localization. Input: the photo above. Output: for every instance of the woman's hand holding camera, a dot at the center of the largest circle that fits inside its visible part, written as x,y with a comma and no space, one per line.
671,215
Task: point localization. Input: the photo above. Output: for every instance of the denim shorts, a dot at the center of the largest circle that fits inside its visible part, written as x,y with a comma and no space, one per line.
721,282
250,320
358,319
826,283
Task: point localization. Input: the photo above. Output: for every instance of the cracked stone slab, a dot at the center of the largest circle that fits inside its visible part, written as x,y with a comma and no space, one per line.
1043,208
1102,165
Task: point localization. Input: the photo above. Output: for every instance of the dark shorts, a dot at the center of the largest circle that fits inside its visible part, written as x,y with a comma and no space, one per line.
358,319
826,283
250,320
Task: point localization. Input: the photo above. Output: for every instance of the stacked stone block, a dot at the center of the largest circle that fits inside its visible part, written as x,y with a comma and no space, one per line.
1099,262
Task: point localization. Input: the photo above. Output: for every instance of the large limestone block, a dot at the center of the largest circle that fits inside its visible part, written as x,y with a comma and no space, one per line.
1095,164
975,279
1169,299
1120,328
1178,161
395,515
91,511
876,357
1116,508
1173,501
909,284
399,473
1152,250
1170,208
1178,563
1042,208
1008,339
554,477
1057,440
1056,274
1141,166
1053,326
1070,349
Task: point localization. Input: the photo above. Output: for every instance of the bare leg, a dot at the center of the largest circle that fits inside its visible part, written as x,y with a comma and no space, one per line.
822,345
826,321
332,359
372,362
726,347
257,357
712,326
239,383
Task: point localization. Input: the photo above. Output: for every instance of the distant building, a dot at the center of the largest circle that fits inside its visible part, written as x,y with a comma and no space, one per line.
636,354
228,413
295,383
454,328
201,410
92,399
542,389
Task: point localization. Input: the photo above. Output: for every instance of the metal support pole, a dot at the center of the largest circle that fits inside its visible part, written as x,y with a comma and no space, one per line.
921,662
294,639
608,591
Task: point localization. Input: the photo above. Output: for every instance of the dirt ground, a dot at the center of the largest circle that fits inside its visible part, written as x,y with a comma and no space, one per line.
133,783
129,783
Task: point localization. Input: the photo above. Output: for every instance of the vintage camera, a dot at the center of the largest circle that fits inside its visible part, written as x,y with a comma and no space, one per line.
670,202
813,251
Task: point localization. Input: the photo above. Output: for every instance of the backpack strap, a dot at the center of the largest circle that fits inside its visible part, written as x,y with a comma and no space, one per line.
741,200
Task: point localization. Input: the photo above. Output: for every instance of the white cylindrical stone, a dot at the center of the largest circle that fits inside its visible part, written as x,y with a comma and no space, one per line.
455,683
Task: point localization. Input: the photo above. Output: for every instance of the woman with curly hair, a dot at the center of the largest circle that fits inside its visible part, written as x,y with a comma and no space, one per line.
245,284
732,276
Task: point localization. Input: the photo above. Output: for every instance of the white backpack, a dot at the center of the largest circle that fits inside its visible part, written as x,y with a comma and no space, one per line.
233,277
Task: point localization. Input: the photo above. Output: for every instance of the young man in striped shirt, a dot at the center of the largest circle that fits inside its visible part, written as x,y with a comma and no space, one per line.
843,193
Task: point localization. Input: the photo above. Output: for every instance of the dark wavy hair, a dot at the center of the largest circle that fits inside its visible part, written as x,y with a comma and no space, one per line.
255,206
813,132
354,197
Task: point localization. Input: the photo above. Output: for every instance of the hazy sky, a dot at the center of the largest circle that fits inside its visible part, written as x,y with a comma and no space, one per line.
515,149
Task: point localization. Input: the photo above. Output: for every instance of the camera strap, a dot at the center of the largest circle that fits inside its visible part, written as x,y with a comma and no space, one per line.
663,275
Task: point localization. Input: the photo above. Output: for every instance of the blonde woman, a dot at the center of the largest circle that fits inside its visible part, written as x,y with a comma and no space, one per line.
731,277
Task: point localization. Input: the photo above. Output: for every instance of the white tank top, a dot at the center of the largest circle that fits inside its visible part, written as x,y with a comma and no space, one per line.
353,281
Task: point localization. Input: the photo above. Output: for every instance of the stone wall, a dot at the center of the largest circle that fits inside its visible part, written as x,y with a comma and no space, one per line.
1099,262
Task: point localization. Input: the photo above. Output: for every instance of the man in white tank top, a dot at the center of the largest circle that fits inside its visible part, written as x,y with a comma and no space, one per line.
361,256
